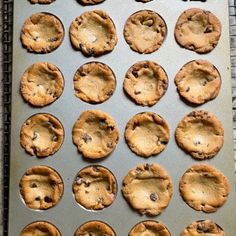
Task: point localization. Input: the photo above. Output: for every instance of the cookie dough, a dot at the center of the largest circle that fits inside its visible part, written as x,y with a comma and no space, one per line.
90,2
42,33
203,227
198,82
204,188
93,33
146,82
145,31
40,228
149,227
95,187
200,134
95,134
41,187
95,228
147,134
41,84
41,135
198,30
148,189
42,1
94,82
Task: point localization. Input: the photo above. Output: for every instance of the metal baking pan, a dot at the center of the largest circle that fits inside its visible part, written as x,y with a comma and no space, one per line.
68,215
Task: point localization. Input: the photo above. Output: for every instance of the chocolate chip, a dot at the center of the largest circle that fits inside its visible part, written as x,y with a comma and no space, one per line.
153,197
47,199
135,73
87,138
147,166
81,73
37,199
109,145
52,39
110,93
138,170
33,185
187,89
35,136
137,92
135,125
86,184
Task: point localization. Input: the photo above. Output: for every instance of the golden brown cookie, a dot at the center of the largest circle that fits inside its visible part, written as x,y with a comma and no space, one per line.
42,33
200,134
90,2
198,30
149,227
41,84
146,82
148,189
95,228
95,187
145,31
95,134
203,228
41,187
42,1
94,82
93,33
198,81
204,188
41,135
147,134
40,228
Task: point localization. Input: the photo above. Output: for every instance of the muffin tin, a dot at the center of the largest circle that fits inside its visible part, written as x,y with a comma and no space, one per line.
67,215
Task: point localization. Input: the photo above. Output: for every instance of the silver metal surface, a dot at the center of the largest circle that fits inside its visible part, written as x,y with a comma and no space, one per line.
68,215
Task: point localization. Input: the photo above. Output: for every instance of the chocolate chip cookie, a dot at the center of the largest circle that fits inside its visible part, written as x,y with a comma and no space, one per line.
200,134
94,82
95,134
203,227
149,227
42,33
95,187
148,189
95,228
147,134
41,135
145,31
198,81
145,82
204,188
41,84
90,2
93,33
40,228
41,187
42,1
198,30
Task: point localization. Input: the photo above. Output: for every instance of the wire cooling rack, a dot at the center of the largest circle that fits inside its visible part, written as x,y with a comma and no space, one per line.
7,20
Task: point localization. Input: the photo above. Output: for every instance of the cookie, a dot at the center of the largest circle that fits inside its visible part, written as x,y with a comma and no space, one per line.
95,187
41,84
95,228
42,1
200,134
41,187
145,83
90,2
204,188
198,30
42,33
94,82
149,227
93,33
198,82
145,31
95,134
148,189
203,227
41,135
40,228
147,134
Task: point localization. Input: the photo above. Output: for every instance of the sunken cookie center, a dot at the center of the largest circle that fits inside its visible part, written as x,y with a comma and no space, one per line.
43,31
147,191
43,135
204,185
198,24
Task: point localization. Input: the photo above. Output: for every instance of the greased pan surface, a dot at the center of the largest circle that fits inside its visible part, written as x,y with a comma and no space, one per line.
67,215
